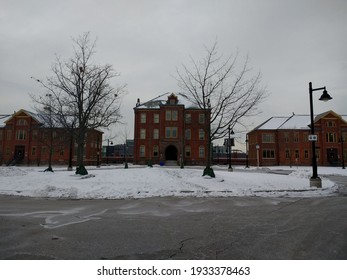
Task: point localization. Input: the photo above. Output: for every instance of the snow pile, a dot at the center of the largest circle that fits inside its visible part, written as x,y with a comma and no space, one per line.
12,171
137,182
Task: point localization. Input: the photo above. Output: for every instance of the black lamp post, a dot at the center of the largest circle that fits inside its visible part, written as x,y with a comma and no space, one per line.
107,150
342,152
315,180
229,147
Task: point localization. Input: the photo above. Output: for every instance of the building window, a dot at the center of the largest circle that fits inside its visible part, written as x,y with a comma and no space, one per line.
331,137
330,124
142,151
268,138
33,151
171,115
171,132
9,135
201,118
287,154
306,154
156,118
268,154
174,132
201,152
20,135
188,134
155,133
188,118
286,137
0,135
187,151
297,154
155,151
168,115
296,137
143,118
318,154
22,122
142,133
174,115
305,137
201,134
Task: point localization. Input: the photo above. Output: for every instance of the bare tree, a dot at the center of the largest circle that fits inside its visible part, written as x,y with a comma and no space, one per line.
81,95
226,93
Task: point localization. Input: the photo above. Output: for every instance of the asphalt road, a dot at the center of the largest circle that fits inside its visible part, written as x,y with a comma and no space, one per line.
174,228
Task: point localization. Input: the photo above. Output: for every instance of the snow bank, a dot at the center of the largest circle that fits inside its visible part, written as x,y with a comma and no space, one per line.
135,182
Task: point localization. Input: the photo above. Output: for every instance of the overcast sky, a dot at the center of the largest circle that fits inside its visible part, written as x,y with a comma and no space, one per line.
290,42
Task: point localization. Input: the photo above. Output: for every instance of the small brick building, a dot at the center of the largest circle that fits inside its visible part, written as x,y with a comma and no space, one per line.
169,130
25,140
285,140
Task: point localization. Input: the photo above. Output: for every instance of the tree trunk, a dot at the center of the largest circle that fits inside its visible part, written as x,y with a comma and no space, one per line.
208,169
80,153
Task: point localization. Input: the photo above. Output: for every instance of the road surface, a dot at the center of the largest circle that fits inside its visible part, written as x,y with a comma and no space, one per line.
174,228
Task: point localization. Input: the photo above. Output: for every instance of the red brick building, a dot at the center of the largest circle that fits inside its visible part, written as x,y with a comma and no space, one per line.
25,140
169,129
285,140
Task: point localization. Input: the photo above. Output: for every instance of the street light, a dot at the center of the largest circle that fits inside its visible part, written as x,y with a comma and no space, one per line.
229,147
49,109
107,150
315,181
257,147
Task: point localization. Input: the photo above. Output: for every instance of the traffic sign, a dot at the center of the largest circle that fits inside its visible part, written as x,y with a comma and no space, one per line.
312,137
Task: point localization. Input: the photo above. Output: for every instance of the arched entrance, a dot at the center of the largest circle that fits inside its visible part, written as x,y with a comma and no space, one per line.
171,153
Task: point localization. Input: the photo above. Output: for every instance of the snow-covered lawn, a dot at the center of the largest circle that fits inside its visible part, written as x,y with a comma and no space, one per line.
115,182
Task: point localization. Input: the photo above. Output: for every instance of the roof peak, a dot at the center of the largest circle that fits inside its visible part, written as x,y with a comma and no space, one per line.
155,103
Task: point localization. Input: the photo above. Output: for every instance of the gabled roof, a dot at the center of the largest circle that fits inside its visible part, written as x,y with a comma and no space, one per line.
161,100
323,115
25,112
294,121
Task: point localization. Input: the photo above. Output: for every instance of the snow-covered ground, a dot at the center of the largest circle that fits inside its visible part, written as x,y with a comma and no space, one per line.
115,182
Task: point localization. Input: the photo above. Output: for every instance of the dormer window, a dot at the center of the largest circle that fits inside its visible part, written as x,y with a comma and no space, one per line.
172,99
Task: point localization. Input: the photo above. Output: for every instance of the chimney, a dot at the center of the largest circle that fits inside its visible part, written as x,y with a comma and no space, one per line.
138,102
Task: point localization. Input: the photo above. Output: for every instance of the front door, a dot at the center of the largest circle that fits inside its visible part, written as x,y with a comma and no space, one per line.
332,156
19,152
171,153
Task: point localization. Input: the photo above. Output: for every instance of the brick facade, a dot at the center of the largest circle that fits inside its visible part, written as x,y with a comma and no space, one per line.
167,130
284,140
24,140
